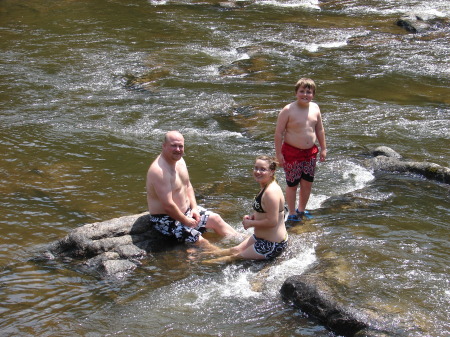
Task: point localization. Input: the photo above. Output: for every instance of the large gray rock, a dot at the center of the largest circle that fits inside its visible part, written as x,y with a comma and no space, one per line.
112,248
421,22
387,159
315,294
306,294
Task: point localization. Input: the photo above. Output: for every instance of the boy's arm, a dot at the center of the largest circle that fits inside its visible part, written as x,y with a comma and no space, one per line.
320,133
279,133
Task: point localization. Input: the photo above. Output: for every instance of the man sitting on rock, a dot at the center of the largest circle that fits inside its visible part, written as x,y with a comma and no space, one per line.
171,200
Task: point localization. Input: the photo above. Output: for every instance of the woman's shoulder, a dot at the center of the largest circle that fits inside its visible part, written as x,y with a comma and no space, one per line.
273,187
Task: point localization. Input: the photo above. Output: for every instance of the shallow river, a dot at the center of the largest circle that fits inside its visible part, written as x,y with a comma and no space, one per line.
87,91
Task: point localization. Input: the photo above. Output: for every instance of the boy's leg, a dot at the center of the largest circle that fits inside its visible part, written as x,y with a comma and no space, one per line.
291,194
303,194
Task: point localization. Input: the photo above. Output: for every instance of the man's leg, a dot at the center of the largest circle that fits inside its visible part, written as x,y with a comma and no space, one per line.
218,225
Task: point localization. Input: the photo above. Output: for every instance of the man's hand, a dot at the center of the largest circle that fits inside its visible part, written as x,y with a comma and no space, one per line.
193,219
195,214
190,222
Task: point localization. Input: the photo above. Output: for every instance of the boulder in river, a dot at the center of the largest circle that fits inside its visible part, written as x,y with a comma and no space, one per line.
387,159
114,247
313,296
421,22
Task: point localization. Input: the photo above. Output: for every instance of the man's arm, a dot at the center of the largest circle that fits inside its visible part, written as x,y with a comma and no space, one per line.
192,201
190,193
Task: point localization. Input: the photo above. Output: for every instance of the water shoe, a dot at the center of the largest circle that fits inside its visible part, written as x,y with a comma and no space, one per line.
304,214
293,217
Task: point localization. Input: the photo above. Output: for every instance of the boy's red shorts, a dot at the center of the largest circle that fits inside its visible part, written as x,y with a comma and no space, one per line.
298,163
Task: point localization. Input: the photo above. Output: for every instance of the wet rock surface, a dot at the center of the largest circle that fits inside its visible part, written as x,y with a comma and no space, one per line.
387,159
421,22
114,247
315,298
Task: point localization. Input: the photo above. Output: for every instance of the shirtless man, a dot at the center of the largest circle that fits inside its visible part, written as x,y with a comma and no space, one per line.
299,125
171,199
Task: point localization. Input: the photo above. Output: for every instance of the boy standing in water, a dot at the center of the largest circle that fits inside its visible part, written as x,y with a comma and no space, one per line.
299,125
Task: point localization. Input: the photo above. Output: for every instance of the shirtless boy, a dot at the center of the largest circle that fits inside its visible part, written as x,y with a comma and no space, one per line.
299,125
171,199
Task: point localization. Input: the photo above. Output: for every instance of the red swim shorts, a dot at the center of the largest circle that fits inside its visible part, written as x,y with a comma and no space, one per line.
299,164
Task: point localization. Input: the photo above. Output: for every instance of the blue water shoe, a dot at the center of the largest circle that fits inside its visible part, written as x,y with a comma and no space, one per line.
293,218
307,215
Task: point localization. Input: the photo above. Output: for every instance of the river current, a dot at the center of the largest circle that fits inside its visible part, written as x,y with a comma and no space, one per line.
89,88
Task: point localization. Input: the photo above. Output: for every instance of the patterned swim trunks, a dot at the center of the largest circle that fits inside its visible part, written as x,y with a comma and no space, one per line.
299,164
170,227
270,249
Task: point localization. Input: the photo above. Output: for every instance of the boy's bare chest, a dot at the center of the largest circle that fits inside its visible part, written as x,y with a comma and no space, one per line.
302,119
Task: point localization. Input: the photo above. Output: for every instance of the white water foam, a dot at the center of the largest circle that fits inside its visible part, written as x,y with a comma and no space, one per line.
237,282
387,7
278,3
338,178
296,265
314,4
314,47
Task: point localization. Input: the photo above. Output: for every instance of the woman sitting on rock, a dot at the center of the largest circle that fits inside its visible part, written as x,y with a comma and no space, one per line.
270,236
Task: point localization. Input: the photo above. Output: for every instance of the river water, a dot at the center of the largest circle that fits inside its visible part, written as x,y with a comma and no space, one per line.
87,91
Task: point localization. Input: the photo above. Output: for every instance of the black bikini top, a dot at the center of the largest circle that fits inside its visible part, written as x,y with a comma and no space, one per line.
257,206
257,203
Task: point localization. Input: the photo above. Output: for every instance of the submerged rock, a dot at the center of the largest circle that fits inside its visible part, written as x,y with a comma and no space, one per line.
314,298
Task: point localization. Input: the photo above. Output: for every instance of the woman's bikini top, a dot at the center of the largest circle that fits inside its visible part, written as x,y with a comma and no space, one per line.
257,203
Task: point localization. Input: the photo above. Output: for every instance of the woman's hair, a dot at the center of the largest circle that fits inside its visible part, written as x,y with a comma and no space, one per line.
307,83
273,163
